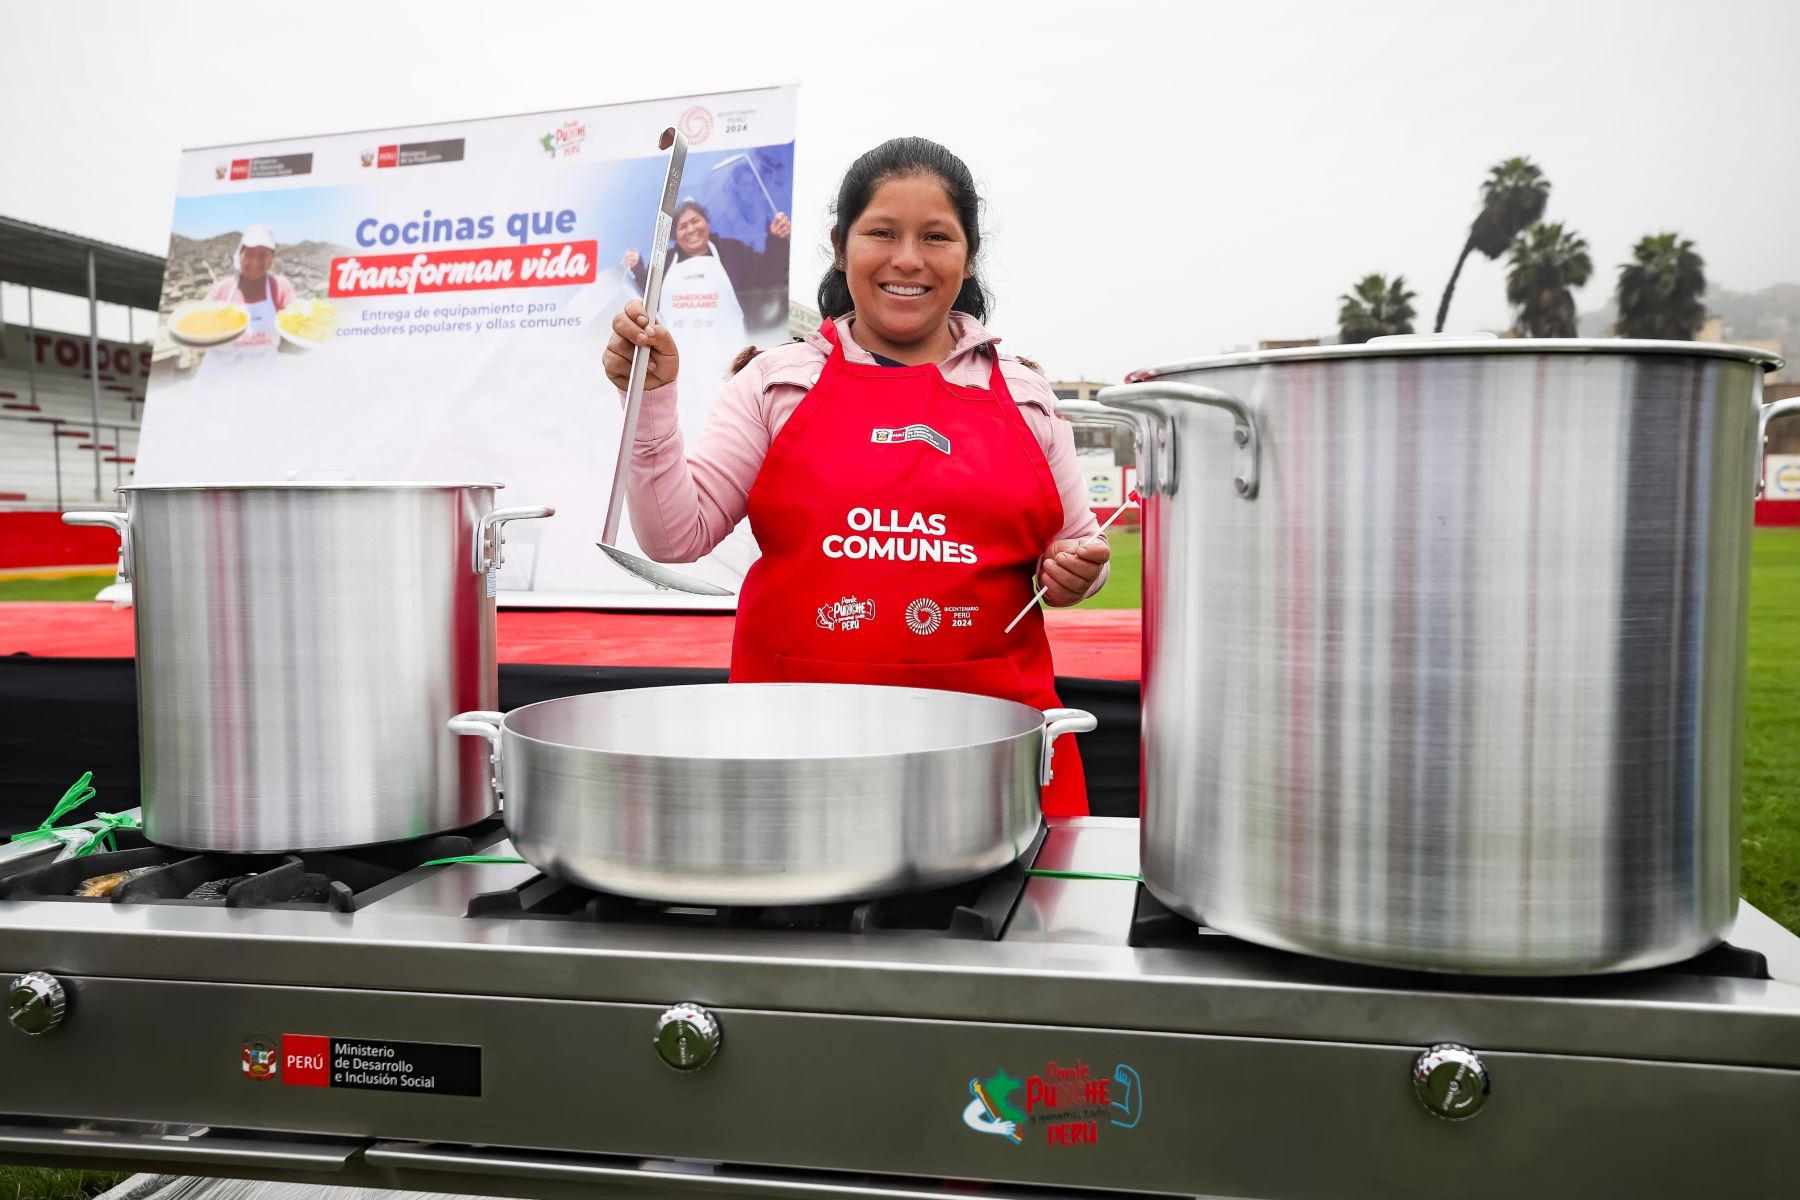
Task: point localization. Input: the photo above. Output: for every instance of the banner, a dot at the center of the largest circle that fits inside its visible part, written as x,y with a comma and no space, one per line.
431,304
69,354
1782,475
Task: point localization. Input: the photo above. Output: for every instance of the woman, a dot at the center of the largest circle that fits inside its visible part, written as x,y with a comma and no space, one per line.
903,478
717,288
262,292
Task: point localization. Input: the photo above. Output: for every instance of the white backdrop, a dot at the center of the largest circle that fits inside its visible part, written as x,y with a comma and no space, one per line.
492,384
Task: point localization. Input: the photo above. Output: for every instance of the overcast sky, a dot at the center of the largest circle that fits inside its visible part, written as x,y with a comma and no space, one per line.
1162,180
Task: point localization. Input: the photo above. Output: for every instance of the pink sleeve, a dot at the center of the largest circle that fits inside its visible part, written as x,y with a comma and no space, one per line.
1057,437
223,289
683,503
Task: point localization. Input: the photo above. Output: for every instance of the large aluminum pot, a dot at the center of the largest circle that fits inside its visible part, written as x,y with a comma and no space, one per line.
771,793
1444,647
299,647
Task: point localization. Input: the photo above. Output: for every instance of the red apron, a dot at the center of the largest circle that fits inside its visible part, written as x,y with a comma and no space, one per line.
900,519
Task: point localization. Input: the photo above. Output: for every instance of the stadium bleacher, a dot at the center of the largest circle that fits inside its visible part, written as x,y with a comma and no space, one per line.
48,446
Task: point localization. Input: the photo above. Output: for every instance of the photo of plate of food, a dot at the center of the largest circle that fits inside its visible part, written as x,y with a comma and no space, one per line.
307,324
208,322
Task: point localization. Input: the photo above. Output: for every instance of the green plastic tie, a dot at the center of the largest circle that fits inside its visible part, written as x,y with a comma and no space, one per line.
1046,874
475,858
99,831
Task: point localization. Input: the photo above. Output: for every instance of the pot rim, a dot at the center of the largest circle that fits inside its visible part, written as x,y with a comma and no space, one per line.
306,485
1431,345
509,730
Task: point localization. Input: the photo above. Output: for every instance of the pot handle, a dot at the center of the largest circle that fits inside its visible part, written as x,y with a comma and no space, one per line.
1143,432
1145,397
1770,413
482,723
118,522
490,549
1058,721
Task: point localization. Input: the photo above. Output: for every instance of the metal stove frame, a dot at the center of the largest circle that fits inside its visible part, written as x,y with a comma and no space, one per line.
847,1062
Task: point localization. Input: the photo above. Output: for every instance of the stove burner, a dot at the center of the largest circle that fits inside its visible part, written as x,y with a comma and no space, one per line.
1154,925
328,880
977,910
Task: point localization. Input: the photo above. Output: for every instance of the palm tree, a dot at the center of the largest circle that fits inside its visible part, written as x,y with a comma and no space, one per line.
1375,308
1512,197
1659,292
1547,261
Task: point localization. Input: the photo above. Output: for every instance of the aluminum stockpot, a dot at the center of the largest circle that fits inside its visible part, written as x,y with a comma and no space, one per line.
771,793
1444,647
299,648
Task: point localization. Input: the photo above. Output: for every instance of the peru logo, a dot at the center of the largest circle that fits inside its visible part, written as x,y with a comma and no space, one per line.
911,433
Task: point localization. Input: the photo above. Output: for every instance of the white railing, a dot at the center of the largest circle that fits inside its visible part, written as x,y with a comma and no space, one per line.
35,451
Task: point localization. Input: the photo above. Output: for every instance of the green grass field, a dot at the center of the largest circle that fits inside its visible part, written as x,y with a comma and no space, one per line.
1124,587
1772,729
26,1183
75,587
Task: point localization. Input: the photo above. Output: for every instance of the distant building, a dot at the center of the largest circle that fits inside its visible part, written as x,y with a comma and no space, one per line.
803,318
1713,330
1076,389
1095,441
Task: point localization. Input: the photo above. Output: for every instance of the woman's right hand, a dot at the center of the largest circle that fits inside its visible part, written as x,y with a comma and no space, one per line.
631,328
630,261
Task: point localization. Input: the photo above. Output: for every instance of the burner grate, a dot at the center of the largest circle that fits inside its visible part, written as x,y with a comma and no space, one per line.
324,880
977,910
1155,926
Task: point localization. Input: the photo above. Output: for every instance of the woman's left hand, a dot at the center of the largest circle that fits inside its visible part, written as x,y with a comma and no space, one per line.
780,227
1069,570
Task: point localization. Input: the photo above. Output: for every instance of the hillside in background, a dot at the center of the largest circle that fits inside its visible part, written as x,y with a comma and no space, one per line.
1772,314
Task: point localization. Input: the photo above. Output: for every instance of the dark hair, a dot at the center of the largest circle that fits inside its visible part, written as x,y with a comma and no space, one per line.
898,159
692,205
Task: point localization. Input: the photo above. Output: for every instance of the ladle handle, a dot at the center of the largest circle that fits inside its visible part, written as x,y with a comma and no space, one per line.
676,145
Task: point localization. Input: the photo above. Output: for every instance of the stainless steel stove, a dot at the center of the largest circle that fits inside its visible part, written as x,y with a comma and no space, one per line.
361,1019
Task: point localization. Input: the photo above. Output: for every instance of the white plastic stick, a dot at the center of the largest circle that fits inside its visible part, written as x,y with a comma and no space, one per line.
1039,595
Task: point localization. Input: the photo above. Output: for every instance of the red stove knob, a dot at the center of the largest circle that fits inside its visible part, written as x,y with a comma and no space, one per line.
36,1002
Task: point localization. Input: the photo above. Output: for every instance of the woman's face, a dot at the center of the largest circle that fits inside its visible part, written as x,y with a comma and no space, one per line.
906,258
692,232
256,262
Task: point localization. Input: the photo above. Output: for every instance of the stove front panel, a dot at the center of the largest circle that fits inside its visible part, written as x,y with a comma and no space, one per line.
1069,1107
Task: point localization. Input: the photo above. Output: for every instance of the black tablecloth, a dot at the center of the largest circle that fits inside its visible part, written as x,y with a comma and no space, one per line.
62,716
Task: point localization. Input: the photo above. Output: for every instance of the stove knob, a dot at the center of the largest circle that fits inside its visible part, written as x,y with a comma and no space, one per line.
1451,1081
36,1002
688,1037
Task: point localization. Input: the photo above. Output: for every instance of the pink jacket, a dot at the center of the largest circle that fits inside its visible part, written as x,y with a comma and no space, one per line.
684,504
227,289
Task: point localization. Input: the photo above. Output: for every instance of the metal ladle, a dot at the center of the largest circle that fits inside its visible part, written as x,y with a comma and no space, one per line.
656,573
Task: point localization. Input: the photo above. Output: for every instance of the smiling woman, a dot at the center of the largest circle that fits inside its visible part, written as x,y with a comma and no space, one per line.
902,414
903,293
